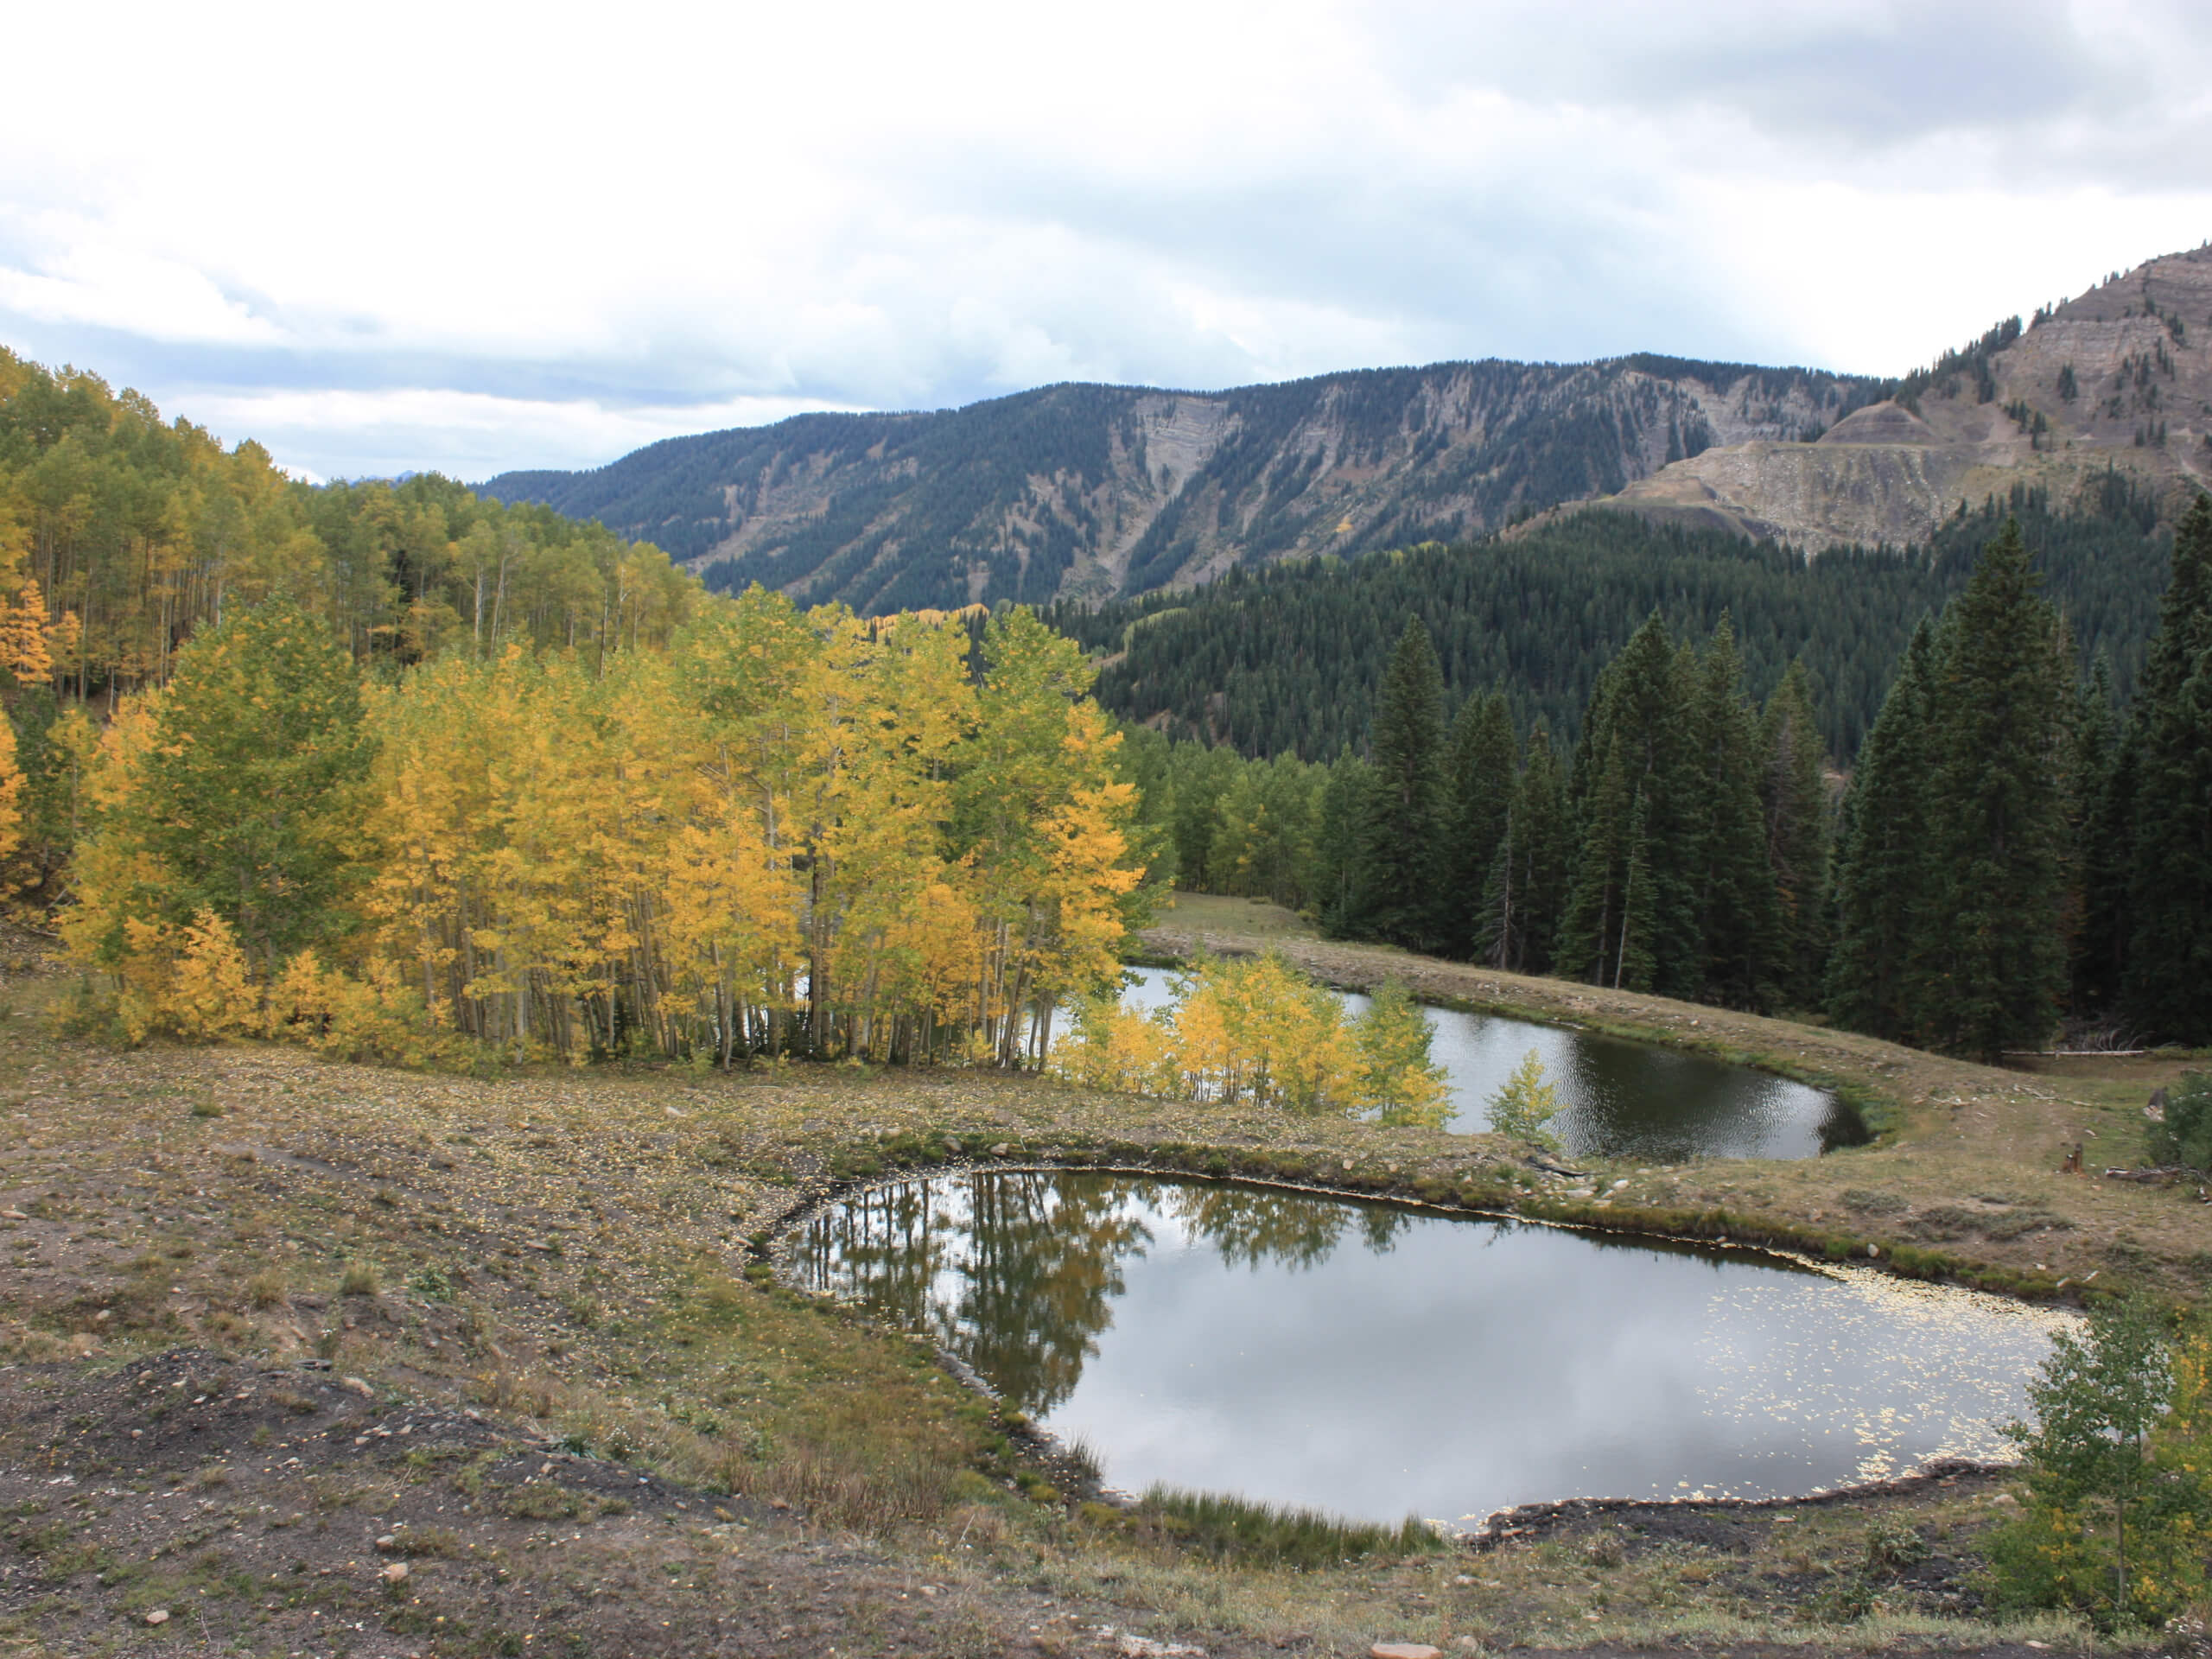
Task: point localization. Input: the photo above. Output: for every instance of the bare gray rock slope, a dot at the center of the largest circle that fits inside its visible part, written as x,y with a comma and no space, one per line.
2122,376
1092,490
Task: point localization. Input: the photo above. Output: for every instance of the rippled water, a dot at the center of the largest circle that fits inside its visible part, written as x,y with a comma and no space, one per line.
1624,1100
1373,1361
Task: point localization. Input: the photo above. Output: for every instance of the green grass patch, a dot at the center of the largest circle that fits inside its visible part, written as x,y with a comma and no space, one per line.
1237,1530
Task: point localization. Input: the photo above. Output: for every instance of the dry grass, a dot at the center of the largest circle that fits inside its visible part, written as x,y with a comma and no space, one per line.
574,1250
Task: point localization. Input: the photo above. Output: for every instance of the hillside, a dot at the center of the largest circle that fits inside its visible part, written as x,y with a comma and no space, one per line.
1286,660
2120,377
1091,491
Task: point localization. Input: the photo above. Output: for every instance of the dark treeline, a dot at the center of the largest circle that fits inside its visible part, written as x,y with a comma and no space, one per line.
2009,852
1287,659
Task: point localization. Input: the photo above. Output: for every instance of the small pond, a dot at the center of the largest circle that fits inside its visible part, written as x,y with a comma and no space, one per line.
1621,1099
1370,1361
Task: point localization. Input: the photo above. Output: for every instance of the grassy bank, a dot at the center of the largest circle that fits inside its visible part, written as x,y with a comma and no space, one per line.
520,1329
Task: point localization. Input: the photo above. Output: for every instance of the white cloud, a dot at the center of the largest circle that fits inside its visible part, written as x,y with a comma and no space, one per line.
464,237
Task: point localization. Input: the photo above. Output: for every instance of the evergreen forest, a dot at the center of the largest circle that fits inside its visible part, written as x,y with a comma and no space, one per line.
1287,659
2013,847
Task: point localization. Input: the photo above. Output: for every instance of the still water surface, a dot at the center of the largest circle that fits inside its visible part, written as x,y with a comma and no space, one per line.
1373,1361
1622,1100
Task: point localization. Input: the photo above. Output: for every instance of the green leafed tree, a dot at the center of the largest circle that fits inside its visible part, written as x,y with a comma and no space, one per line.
249,806
2117,1490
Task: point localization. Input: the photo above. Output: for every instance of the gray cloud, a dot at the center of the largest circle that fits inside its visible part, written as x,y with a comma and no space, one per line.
700,221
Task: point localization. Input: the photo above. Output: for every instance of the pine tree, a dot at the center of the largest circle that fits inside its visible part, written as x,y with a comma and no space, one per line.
1739,919
2167,987
1485,760
1635,809
1527,887
2093,871
1884,878
1794,792
1397,882
1993,969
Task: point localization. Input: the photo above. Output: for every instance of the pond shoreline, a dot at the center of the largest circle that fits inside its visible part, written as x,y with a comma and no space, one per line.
1079,1478
1468,987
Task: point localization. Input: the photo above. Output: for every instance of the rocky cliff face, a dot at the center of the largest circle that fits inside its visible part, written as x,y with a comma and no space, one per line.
1093,491
2122,376
1102,490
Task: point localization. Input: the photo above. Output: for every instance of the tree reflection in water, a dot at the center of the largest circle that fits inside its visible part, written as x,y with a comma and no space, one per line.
1016,1272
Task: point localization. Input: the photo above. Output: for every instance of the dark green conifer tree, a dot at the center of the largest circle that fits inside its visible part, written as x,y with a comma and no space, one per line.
2166,987
1794,795
1634,794
1397,883
1885,881
1992,971
2092,871
1485,760
1739,917
1527,882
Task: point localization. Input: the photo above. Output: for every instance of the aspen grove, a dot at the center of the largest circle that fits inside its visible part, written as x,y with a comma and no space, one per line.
786,832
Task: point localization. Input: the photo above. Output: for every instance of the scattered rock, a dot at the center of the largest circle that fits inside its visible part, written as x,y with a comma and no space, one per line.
388,1541
1404,1650
13,1215
1143,1647
159,1616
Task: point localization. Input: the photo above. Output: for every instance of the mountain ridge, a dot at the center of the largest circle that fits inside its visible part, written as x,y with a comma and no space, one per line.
1091,491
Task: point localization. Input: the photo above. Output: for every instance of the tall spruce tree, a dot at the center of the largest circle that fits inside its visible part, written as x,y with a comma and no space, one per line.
1884,883
2166,986
1738,917
1635,810
1397,881
1526,888
1793,790
1485,760
1993,969
2093,871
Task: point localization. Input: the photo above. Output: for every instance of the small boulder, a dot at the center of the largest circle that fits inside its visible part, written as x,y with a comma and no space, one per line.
395,1574
1404,1650
159,1616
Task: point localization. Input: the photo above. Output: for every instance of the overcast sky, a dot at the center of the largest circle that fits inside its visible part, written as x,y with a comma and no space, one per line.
392,237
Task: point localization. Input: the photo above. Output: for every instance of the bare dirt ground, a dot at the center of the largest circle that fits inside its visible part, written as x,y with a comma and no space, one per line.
273,1329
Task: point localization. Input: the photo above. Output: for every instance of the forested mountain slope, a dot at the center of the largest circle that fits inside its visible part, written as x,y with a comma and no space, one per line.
1092,491
1285,660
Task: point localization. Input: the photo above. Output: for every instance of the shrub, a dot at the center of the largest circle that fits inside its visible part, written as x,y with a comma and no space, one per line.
2116,1513
1525,1105
359,1279
2186,1135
